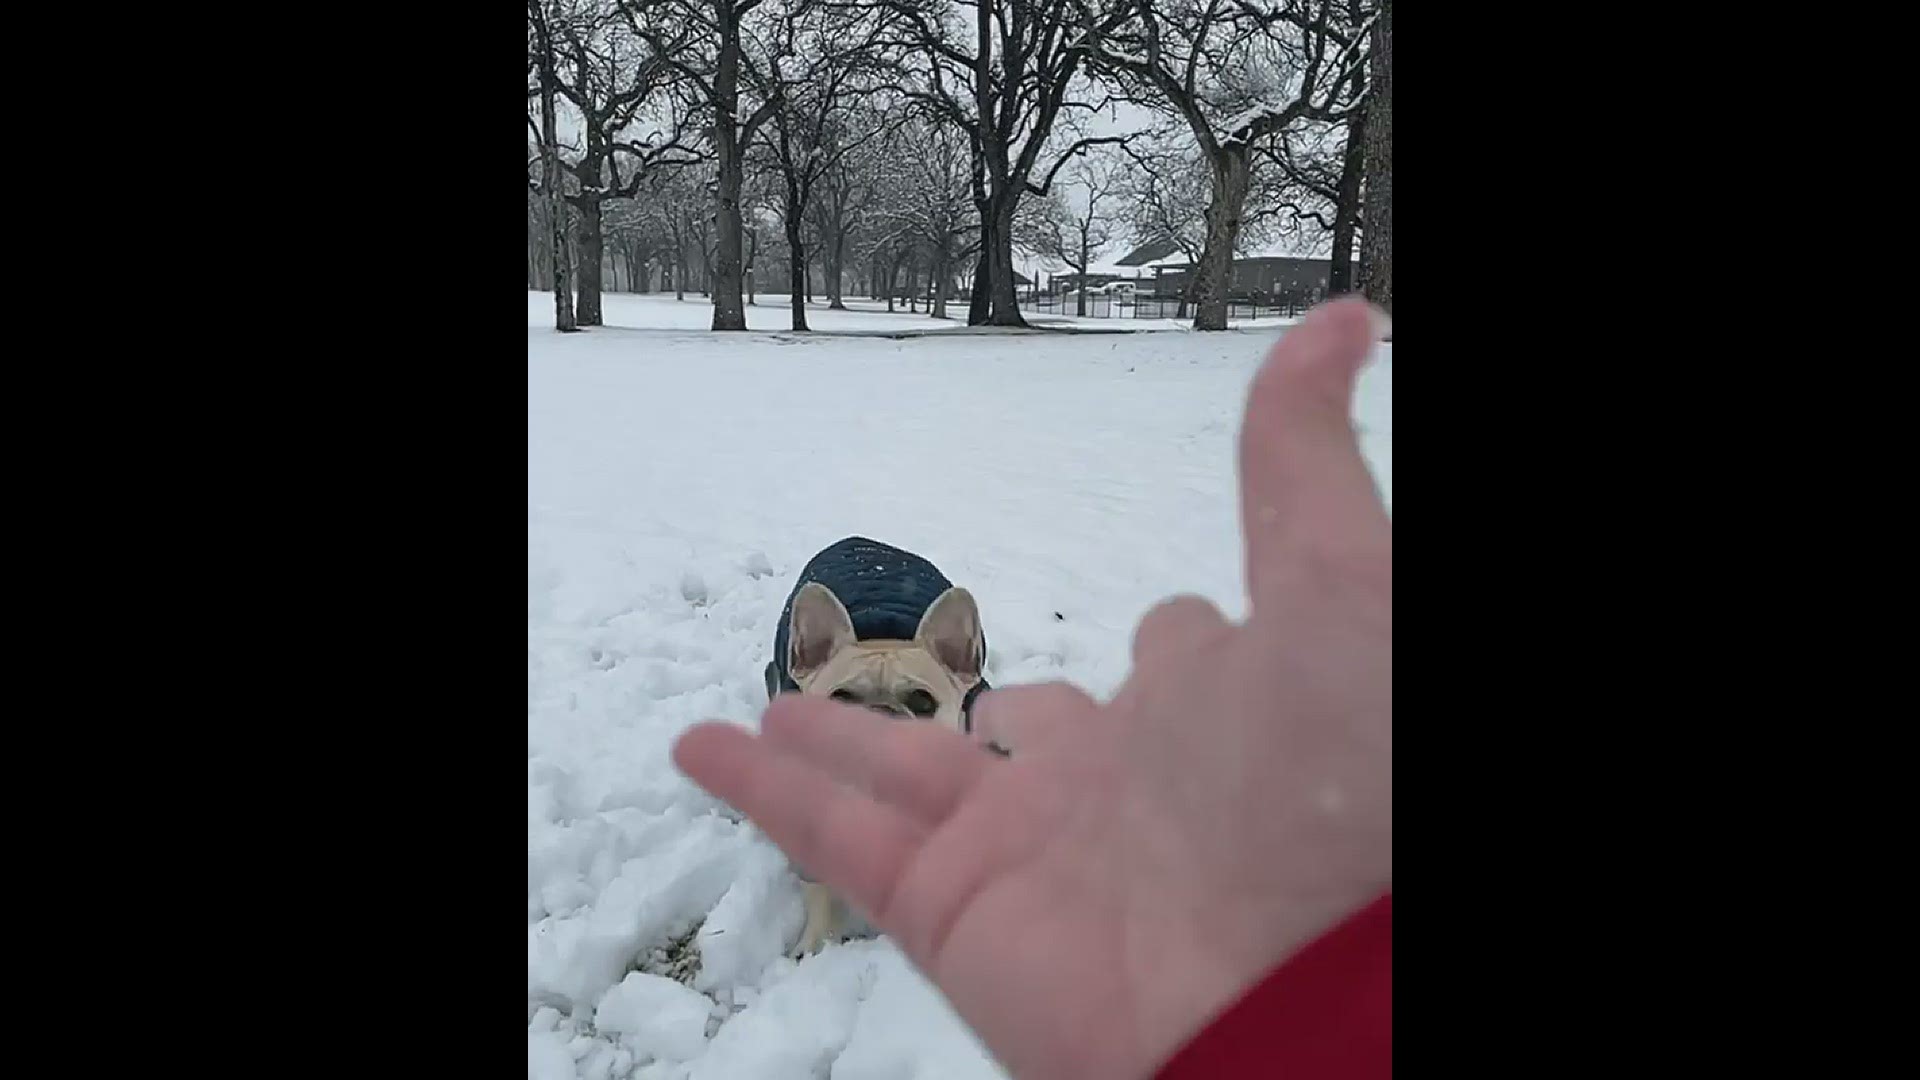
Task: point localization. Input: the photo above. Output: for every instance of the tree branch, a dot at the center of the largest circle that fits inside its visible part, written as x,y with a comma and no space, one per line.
1078,149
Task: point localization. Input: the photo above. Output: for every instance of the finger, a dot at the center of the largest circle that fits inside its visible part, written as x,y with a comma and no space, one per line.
922,770
1027,717
852,843
1303,482
1176,627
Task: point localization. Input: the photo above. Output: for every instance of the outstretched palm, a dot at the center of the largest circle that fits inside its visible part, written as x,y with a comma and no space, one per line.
1088,903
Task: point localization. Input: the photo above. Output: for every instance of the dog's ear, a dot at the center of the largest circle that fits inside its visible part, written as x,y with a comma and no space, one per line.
818,628
950,631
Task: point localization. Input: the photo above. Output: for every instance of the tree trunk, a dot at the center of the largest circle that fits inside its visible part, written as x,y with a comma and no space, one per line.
1005,309
939,276
836,250
536,245
1346,212
1213,275
749,275
796,261
979,300
728,313
1081,306
556,197
592,247
1377,237
533,257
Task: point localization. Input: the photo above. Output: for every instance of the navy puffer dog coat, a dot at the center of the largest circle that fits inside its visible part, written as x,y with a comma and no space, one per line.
885,590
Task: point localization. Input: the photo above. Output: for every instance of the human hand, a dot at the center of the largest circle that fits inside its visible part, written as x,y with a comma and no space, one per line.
1090,903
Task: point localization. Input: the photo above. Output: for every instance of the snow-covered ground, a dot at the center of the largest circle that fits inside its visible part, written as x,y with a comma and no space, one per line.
662,311
659,311
677,481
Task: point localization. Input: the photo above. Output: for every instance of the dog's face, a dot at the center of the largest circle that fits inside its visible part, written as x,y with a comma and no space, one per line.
923,679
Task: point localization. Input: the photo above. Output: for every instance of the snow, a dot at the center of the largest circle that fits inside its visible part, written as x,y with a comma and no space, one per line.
1107,52
1234,126
770,311
661,312
666,1019
1129,273
677,481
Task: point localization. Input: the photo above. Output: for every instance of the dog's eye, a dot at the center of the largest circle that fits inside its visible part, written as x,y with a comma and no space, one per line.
921,703
846,696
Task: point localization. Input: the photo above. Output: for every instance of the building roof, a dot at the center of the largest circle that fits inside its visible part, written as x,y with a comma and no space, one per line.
1100,269
1284,248
1182,264
1149,252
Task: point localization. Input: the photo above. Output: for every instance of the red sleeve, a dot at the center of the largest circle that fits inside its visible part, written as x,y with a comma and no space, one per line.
1324,1014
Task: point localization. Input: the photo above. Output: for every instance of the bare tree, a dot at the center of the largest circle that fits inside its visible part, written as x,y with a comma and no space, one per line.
1377,252
846,190
1074,231
943,212
1237,72
760,218
638,234
1005,87
809,131
923,197
1165,201
1305,182
889,251
1320,169
725,55
676,204
539,225
1346,212
536,244
609,75
541,70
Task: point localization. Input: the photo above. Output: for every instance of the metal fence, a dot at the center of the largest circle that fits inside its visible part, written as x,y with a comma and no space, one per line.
1257,307
1101,306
